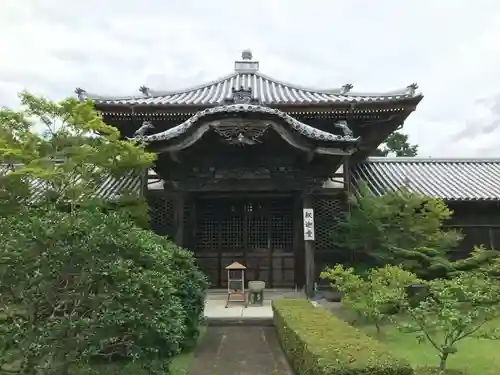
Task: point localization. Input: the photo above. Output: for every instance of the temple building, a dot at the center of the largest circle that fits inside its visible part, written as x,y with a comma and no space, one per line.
241,157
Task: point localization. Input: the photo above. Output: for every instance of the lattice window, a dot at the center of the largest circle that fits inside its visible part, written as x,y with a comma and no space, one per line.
207,226
257,225
160,214
327,214
281,225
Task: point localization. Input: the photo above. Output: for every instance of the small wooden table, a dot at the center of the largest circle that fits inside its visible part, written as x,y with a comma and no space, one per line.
236,285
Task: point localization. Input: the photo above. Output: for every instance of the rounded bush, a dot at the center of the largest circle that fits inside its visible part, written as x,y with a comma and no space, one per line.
190,282
88,285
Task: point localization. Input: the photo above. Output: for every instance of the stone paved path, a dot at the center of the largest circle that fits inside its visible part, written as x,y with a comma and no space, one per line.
239,350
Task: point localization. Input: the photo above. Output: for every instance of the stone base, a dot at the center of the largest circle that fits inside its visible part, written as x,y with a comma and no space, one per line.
236,313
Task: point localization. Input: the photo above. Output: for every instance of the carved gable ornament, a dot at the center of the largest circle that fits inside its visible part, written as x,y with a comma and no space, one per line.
240,131
241,96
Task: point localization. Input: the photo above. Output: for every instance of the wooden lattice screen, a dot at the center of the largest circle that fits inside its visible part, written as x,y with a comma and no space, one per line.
161,215
328,211
161,219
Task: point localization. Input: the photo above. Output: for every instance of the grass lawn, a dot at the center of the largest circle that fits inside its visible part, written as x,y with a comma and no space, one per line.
475,356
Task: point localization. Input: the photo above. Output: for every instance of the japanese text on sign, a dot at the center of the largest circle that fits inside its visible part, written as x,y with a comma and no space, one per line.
308,224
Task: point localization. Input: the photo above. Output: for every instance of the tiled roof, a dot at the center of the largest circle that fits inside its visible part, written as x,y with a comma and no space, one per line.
304,129
112,188
265,90
449,179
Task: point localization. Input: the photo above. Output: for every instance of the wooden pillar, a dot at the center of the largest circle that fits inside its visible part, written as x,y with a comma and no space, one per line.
298,242
190,232
491,237
309,253
178,205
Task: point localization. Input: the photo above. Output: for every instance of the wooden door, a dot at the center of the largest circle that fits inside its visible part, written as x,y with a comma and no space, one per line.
255,231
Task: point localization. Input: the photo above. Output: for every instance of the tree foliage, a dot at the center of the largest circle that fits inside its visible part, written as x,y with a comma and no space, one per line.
84,286
455,309
81,284
397,144
399,228
375,296
486,261
61,152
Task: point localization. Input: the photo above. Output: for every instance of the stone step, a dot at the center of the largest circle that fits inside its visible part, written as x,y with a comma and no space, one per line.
239,321
269,294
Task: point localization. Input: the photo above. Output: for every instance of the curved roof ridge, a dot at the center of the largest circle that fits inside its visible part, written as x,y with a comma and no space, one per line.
333,91
160,93
111,97
395,159
302,128
156,93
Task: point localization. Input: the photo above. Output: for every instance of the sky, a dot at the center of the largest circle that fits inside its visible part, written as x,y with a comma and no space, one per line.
451,48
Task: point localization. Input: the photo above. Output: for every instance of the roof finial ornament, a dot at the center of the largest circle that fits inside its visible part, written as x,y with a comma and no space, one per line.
346,88
81,94
145,90
342,124
246,64
411,90
246,55
141,132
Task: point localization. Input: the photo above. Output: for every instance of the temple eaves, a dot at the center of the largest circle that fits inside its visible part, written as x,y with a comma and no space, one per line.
227,121
264,90
297,126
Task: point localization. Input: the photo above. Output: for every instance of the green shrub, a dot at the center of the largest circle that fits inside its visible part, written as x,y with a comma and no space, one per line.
317,343
378,296
190,283
89,286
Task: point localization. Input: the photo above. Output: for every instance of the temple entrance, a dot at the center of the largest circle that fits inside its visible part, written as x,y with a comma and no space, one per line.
257,232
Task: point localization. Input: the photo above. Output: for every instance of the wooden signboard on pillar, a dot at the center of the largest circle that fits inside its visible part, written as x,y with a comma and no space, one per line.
308,218
308,224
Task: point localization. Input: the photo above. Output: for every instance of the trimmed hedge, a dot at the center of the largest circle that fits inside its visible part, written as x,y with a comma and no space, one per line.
317,343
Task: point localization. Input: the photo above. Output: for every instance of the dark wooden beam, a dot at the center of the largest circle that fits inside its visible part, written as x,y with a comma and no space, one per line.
175,156
309,156
178,203
341,107
491,237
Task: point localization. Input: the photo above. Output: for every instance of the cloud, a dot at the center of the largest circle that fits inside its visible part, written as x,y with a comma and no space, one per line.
449,47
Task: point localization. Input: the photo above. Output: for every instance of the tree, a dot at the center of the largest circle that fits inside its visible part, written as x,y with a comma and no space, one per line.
397,144
372,297
67,159
79,281
84,287
455,309
482,260
399,228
